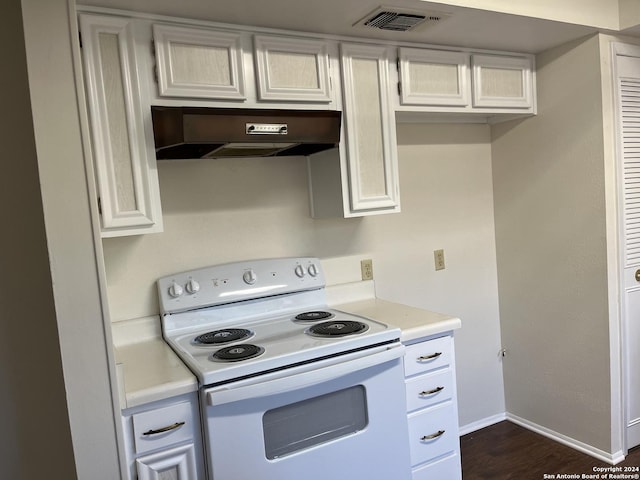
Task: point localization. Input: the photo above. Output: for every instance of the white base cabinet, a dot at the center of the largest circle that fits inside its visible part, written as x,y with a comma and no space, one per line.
163,440
432,409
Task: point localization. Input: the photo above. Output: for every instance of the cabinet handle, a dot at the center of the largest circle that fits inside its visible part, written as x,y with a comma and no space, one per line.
431,392
637,275
168,428
439,433
429,357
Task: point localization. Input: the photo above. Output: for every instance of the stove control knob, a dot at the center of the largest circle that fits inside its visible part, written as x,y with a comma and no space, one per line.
175,290
299,271
249,277
313,270
192,286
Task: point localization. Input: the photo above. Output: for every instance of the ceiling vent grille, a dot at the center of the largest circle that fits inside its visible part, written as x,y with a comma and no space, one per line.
385,18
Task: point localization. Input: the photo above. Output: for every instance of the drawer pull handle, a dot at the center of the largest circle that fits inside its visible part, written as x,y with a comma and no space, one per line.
429,357
439,433
431,392
168,428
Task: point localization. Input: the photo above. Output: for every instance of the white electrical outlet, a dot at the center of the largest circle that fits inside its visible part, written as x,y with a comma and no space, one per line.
438,257
366,267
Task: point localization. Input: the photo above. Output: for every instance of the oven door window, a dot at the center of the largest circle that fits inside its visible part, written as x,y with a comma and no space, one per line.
314,421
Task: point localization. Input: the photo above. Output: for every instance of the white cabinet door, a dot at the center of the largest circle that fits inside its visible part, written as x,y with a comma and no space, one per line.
369,129
125,168
162,440
177,463
292,69
199,63
433,77
502,82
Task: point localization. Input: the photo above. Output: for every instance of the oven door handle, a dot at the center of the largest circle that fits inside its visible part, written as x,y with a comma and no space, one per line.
229,394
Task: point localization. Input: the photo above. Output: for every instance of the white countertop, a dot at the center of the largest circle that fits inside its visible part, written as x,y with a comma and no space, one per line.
415,323
149,370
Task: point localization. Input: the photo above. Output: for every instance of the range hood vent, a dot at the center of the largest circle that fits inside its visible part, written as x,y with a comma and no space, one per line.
387,18
197,132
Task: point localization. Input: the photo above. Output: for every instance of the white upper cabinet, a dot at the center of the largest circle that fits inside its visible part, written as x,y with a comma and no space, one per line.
369,129
199,63
222,66
292,69
434,77
203,64
459,82
125,168
502,82
361,178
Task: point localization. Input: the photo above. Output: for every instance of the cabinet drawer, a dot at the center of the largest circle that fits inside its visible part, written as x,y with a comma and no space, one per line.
162,427
426,356
426,390
433,432
448,467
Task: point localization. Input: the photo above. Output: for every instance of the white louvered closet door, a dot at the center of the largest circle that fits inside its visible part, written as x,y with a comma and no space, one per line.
629,95
627,68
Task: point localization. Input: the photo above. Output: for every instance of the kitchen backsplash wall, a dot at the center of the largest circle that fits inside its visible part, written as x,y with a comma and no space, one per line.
218,211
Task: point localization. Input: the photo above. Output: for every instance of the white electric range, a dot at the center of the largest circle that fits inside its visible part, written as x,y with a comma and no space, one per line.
284,376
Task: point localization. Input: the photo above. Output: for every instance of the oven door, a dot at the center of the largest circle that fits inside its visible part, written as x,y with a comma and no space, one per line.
345,420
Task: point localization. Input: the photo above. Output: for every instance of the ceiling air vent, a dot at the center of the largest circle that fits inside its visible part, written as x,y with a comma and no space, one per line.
385,18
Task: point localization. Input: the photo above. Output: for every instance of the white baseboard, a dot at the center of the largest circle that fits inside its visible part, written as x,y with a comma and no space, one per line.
612,458
482,423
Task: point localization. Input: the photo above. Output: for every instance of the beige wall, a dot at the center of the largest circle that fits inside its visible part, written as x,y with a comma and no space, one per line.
224,210
549,187
447,202
36,438
83,339
629,13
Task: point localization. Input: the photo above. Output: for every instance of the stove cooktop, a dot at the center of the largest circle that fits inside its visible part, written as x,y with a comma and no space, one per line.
245,319
279,341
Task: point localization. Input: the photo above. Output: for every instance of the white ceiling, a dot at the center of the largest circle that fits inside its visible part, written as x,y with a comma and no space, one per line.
465,27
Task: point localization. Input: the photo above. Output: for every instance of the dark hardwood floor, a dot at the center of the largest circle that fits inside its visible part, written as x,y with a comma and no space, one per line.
507,451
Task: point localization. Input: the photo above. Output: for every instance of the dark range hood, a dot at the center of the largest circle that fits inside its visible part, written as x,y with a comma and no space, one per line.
197,132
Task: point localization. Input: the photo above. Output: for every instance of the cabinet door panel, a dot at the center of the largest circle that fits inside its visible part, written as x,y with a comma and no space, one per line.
292,69
199,63
370,131
502,81
431,77
125,170
177,463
